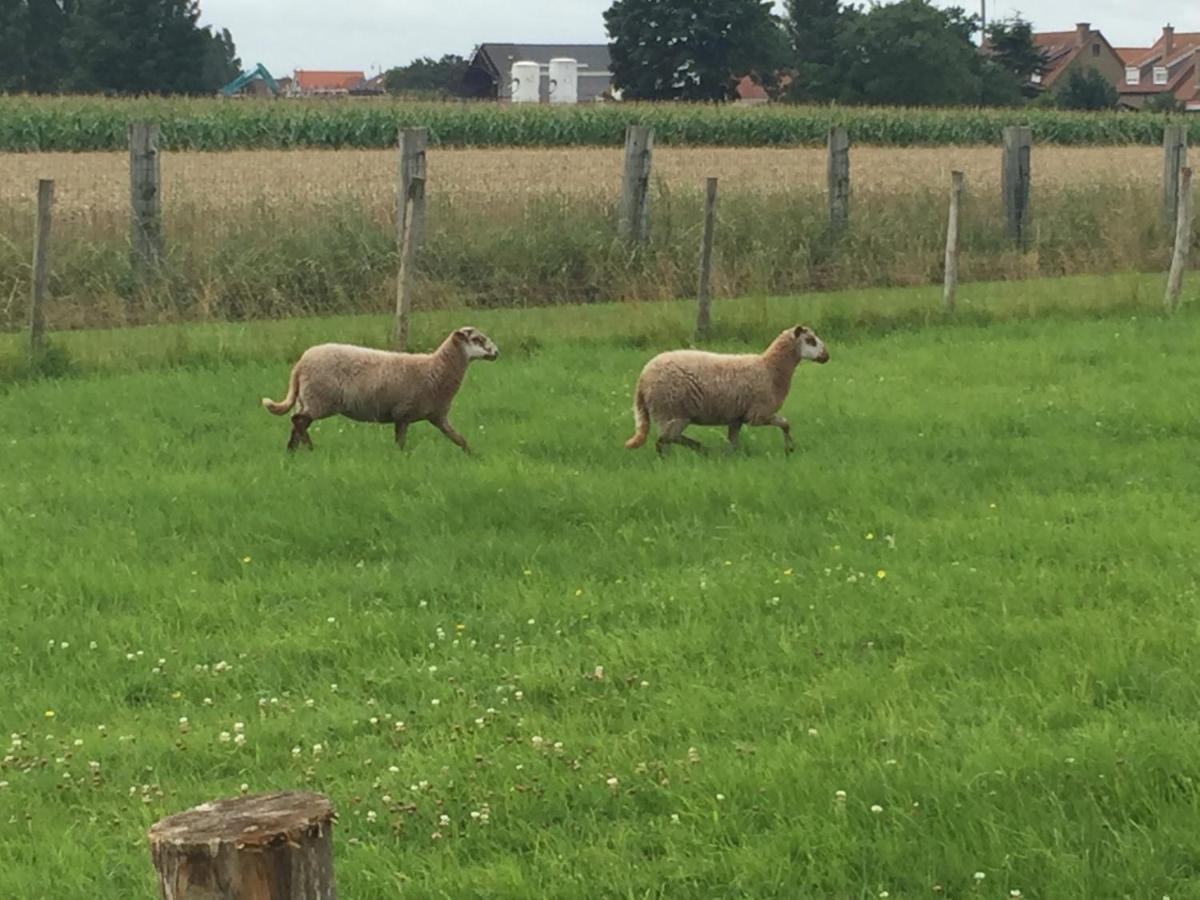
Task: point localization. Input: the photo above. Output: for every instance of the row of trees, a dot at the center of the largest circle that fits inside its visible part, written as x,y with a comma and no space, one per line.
908,52
112,46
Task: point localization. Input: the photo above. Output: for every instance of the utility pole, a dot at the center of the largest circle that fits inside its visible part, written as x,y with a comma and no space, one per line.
982,21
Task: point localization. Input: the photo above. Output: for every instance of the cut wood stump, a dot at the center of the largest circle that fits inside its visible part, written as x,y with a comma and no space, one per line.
258,847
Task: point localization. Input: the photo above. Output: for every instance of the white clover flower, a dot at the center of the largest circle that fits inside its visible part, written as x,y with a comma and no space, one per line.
371,817
876,808
239,739
239,727
224,737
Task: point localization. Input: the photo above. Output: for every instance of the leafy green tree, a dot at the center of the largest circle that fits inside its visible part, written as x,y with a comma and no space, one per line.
221,63
14,39
911,53
813,28
1166,102
427,75
137,47
1087,89
692,49
1010,46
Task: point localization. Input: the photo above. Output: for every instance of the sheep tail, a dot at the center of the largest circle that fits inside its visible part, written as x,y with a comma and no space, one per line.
641,421
290,400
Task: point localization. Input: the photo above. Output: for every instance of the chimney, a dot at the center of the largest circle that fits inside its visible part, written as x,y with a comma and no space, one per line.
1168,40
1082,31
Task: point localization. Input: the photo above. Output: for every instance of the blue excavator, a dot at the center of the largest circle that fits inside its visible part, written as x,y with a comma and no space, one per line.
259,71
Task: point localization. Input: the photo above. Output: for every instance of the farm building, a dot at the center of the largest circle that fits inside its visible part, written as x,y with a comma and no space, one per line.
1171,66
1078,50
489,74
319,83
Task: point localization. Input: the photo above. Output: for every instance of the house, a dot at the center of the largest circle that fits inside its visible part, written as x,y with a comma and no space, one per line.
1066,51
370,87
750,91
317,83
1171,66
489,72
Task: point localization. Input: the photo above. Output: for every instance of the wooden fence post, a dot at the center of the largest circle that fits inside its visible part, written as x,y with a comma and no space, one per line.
41,267
634,219
952,232
258,847
1015,181
838,178
1183,239
410,219
1175,157
704,288
145,195
412,142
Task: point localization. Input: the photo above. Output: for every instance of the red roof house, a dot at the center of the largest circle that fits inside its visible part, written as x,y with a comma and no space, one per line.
315,82
1170,66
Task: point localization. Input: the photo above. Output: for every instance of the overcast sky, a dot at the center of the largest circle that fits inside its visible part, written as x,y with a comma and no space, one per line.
376,34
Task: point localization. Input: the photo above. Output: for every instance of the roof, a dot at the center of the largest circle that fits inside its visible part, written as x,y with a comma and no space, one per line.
317,80
500,57
1131,55
1060,48
749,89
1181,43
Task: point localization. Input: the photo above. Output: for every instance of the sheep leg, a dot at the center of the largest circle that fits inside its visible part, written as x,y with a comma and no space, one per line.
300,423
401,434
782,424
734,429
672,433
444,427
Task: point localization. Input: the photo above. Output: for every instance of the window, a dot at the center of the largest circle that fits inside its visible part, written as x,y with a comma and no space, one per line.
1095,49
1133,75
1160,74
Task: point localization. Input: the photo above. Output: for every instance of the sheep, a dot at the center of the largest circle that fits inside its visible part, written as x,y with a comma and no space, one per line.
369,385
692,387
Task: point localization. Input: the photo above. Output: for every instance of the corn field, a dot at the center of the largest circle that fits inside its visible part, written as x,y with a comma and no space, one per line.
73,124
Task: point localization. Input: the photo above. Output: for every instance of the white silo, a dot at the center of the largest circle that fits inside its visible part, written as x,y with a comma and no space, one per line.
525,78
564,80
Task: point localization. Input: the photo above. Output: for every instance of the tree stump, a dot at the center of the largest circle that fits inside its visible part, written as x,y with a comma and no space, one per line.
259,847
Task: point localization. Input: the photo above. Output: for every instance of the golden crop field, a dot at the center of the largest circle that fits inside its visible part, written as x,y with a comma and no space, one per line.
96,184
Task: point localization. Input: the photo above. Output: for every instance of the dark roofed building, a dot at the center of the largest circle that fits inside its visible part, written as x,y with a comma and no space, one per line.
1082,49
489,74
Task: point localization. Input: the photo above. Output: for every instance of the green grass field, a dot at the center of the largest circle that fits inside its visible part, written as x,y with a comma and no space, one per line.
954,634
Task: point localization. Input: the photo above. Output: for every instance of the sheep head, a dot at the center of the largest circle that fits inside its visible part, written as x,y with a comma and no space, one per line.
806,344
476,344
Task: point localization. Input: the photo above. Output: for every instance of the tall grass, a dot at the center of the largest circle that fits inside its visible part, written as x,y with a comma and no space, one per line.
338,256
30,124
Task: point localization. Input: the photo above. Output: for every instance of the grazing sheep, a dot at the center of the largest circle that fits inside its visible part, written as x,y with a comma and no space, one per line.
377,386
692,387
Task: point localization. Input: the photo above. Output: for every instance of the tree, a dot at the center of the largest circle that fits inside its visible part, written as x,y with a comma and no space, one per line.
427,75
1010,46
1166,102
1087,91
221,63
14,39
813,27
692,49
911,53
137,46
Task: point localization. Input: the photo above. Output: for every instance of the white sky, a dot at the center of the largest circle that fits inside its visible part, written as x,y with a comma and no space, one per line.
377,34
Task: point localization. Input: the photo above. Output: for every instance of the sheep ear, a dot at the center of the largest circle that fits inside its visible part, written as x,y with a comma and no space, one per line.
462,333
799,330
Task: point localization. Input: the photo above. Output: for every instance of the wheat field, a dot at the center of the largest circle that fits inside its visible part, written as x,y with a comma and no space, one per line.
96,184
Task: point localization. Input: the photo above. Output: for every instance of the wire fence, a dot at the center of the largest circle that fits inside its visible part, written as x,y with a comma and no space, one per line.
282,233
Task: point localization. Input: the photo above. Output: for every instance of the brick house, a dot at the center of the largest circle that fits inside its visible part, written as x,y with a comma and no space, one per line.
1171,66
1079,50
